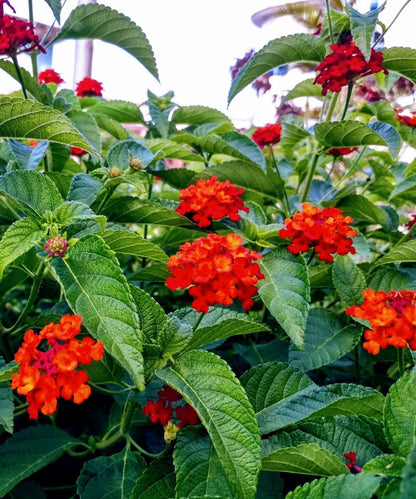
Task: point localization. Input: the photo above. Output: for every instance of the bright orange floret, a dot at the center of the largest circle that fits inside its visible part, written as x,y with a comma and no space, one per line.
217,269
392,317
211,199
49,362
326,230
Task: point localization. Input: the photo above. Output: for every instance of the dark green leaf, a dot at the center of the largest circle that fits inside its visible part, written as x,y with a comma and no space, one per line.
120,153
347,134
6,406
70,211
360,208
401,60
119,110
293,132
408,485
405,252
86,124
157,481
152,318
348,280
389,134
198,115
124,242
84,188
385,465
388,279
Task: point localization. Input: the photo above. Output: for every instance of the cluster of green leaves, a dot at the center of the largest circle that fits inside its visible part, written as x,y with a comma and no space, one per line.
282,392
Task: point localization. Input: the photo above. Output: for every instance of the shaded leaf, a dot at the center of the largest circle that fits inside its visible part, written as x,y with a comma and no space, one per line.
120,153
362,209
293,132
86,124
389,134
26,156
84,188
40,93
157,481
388,279
408,484
348,280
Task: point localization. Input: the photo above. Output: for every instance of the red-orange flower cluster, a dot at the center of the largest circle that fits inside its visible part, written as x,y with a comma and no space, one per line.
406,119
48,363
341,151
16,36
218,269
49,76
88,87
326,230
392,317
211,199
344,64
267,135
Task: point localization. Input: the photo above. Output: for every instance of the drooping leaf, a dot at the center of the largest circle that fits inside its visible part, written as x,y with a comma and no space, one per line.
208,384
326,340
120,153
305,88
401,60
99,22
363,27
26,119
285,291
348,280
198,115
347,134
96,289
292,48
86,124
389,134
405,252
28,157
198,469
157,481
125,242
28,451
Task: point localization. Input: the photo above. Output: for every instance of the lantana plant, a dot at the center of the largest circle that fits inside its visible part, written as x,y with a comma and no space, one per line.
193,310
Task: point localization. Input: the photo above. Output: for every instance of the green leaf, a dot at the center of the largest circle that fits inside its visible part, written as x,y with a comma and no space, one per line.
99,22
360,208
170,149
363,27
304,459
236,145
110,476
198,469
120,153
26,156
133,210
157,481
70,211
389,134
388,279
173,337
6,404
326,340
7,370
359,486
86,124
198,115
292,48
399,414
408,484
19,238
293,132
347,134
55,6
28,451
208,384
348,280
111,126
34,191
124,242
26,119
405,252
385,465
305,88
401,60
285,291
97,290
84,188
119,110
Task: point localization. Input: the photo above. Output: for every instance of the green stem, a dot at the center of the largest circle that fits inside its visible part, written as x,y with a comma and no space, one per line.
328,13
400,360
127,416
33,55
332,105
347,100
285,200
109,441
145,452
309,178
19,75
198,321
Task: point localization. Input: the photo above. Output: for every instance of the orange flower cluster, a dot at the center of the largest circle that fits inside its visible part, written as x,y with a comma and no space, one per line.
392,317
210,200
326,230
218,269
49,372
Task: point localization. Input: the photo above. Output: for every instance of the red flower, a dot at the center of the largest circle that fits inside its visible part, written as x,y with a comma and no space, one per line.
352,458
411,222
50,372
158,411
17,35
186,415
326,230
345,64
406,119
392,317
77,151
169,394
267,135
49,76
218,269
88,87
341,151
56,246
211,200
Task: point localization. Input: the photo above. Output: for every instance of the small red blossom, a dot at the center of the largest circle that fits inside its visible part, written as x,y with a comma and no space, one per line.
77,151
51,371
89,87
17,35
411,222
186,415
345,64
351,465
392,317
406,119
267,135
158,412
326,230
56,246
341,151
211,199
168,393
217,269
49,76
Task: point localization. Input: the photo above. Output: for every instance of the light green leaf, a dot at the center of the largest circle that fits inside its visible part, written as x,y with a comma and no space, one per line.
304,459
348,280
86,124
28,157
19,238
110,476
401,60
118,110
208,384
292,48
406,252
360,208
385,465
347,134
293,132
363,27
170,149
120,153
408,484
157,481
173,337
26,119
399,414
236,145
359,486
99,22
70,211
7,370
198,115
285,291
28,451
326,340
305,88
389,134
97,290
198,469
111,126
125,242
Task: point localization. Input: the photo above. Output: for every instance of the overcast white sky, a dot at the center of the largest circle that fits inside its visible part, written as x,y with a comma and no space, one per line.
194,43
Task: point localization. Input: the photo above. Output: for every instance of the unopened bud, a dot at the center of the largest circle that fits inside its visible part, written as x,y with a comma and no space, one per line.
56,246
114,171
135,163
